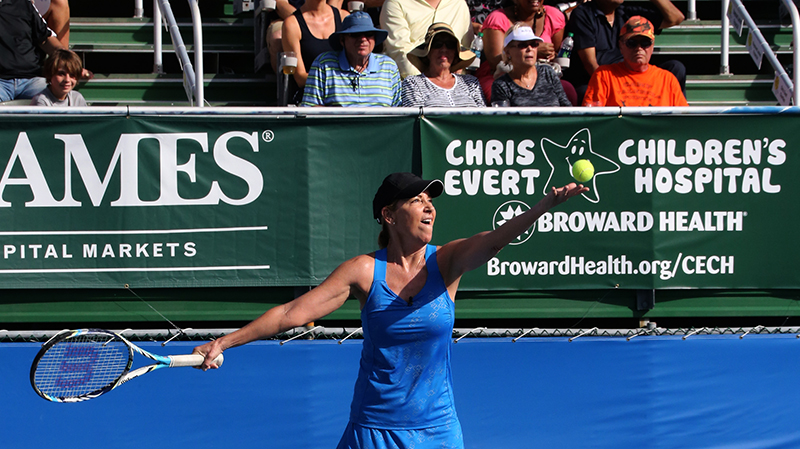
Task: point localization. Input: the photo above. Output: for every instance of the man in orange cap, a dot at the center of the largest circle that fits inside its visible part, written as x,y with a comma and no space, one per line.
596,27
634,81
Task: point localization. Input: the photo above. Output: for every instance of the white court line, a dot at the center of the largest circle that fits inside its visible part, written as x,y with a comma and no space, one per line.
134,232
120,270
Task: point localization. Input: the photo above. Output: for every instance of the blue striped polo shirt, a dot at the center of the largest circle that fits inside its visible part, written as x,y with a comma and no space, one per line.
333,82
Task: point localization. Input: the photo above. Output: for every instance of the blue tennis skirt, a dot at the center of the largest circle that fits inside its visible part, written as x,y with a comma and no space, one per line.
447,436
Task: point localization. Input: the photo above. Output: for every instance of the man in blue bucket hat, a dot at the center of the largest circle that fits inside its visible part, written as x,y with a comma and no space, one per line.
351,74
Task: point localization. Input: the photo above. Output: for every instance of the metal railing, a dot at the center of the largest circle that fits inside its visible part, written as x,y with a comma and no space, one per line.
511,335
192,75
691,10
305,113
760,43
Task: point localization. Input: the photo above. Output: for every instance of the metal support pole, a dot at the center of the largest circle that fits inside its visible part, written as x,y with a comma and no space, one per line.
691,10
792,8
725,36
158,61
197,27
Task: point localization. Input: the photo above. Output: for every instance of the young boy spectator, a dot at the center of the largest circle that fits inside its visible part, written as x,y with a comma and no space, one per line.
62,71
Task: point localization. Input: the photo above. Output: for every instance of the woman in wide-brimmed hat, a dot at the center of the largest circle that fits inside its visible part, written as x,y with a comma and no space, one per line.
439,58
528,84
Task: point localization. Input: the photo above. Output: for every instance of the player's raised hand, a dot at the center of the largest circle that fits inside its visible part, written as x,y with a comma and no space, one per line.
559,195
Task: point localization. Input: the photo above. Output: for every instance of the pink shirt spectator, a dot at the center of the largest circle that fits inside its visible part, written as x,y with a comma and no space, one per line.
498,20
554,21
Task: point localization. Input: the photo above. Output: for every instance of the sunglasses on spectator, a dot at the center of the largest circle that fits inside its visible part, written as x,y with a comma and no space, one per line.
368,35
443,43
635,43
525,44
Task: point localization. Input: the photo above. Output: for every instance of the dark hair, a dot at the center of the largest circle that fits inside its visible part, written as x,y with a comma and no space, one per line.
383,237
67,59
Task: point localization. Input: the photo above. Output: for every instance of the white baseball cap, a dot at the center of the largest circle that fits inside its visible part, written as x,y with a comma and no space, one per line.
521,34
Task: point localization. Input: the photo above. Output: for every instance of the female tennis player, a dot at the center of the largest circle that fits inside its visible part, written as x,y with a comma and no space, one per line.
403,394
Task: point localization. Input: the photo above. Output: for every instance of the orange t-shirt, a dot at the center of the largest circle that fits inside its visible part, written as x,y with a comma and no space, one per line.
616,85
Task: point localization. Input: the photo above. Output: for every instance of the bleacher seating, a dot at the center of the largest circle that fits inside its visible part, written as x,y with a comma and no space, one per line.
119,50
698,44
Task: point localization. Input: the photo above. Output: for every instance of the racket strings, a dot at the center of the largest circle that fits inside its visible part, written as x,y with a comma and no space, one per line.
80,365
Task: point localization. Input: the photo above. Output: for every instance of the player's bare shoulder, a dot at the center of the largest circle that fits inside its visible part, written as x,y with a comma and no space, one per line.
360,263
358,271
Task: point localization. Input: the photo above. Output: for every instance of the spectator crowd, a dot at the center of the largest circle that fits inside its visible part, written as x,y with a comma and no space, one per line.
420,53
407,53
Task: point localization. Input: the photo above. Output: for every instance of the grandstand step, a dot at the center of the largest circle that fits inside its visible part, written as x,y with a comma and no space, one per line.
220,35
703,37
711,9
208,8
151,89
730,90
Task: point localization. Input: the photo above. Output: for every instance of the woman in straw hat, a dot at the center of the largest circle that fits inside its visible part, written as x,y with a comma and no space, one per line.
403,396
439,58
528,84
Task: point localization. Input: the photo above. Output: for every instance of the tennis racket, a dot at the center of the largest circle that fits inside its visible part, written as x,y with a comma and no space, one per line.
78,365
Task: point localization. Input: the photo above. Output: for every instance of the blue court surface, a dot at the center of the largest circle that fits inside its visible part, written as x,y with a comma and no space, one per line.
657,392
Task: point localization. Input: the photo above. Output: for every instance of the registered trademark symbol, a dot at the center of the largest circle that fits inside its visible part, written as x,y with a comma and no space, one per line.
268,135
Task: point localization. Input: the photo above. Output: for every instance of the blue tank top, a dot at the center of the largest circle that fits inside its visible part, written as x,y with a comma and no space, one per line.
404,378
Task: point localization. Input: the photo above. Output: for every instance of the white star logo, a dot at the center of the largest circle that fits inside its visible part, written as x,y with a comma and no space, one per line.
509,210
579,146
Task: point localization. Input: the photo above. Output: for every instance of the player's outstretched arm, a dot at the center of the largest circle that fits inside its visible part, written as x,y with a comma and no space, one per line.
346,280
460,256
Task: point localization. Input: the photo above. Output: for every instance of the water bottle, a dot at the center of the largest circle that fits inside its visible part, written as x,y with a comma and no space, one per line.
477,48
565,52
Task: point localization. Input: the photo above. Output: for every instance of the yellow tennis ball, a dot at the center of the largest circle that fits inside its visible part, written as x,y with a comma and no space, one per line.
582,170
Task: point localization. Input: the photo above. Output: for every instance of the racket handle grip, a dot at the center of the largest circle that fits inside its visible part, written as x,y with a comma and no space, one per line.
191,360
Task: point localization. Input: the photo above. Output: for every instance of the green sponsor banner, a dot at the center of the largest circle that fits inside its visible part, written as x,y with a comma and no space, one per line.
676,201
152,201
683,201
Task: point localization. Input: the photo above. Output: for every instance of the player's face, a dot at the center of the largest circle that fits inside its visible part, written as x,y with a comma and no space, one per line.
637,51
416,216
62,83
